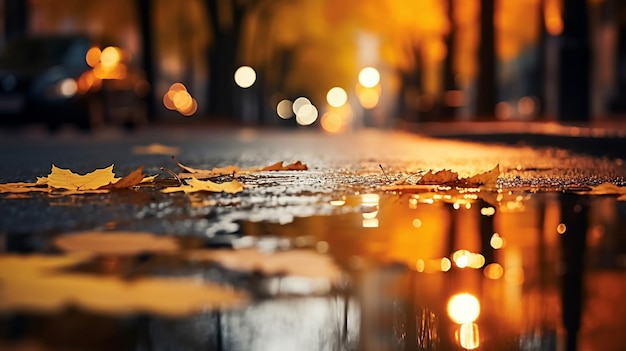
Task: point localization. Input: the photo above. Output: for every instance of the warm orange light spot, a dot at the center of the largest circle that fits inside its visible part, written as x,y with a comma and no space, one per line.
493,271
417,223
110,57
463,308
368,97
182,100
193,108
561,228
93,56
553,18
445,264
496,241
331,122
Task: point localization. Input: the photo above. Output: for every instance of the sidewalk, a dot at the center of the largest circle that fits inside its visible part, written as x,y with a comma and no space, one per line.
600,138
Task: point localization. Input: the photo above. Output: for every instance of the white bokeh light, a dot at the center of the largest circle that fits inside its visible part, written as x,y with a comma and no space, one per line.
245,76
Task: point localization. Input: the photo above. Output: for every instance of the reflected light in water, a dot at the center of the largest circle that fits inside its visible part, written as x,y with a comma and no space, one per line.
496,241
445,264
467,336
487,211
417,223
463,308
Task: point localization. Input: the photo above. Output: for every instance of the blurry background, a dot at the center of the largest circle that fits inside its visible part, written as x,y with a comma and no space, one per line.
427,60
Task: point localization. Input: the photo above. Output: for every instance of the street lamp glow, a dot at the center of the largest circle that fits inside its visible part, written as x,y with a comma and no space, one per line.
245,76
299,103
336,97
369,77
284,109
463,308
306,115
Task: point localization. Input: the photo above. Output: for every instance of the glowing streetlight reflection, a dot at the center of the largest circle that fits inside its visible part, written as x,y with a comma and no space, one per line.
463,308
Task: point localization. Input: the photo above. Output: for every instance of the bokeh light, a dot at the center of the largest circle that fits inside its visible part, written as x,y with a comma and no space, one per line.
245,76
493,271
68,87
463,308
299,102
179,99
368,97
369,77
93,56
331,122
306,115
336,97
284,109
110,57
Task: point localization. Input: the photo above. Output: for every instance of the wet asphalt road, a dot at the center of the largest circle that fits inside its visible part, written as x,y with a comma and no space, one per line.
338,164
375,312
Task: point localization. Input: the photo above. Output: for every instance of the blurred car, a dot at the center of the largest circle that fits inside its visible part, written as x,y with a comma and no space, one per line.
69,79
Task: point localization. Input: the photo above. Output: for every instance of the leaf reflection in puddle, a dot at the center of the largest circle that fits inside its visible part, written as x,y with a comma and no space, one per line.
36,283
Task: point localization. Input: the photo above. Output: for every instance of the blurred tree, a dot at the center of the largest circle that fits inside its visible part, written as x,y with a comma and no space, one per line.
574,63
16,16
145,12
486,84
226,20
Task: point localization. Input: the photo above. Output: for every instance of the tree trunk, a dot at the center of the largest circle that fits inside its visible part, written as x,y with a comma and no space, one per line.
222,57
144,11
448,111
486,85
574,63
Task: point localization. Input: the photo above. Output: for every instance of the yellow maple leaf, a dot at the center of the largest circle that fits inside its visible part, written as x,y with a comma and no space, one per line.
61,178
133,178
447,178
278,166
198,173
194,185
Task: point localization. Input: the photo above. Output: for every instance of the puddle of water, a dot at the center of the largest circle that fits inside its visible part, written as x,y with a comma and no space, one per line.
428,271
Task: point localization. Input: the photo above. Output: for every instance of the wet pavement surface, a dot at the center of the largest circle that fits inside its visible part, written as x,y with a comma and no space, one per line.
322,259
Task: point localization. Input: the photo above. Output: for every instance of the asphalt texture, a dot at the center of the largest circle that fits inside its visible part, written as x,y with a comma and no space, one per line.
338,165
393,251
